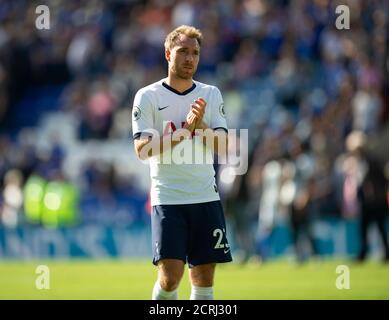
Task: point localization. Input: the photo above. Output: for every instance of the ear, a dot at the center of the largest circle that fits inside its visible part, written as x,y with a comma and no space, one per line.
167,55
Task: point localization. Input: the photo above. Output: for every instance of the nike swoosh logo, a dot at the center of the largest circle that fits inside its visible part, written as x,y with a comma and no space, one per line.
226,250
159,108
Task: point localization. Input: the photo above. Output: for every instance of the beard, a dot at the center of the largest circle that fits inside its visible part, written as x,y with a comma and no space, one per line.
183,73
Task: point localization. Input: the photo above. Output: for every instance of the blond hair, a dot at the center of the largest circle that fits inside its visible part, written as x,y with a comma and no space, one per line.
189,31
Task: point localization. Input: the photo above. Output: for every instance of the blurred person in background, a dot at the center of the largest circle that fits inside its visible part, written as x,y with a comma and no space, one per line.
268,206
241,203
302,214
372,193
12,198
237,210
96,120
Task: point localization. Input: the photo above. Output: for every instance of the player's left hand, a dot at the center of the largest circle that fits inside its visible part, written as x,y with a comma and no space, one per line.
196,114
199,106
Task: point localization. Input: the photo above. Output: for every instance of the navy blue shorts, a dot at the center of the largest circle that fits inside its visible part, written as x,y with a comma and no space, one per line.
193,233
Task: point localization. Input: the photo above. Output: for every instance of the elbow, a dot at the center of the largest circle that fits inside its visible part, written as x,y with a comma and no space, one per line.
141,152
141,149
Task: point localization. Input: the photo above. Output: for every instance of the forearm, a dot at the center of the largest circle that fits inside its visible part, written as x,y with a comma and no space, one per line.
158,145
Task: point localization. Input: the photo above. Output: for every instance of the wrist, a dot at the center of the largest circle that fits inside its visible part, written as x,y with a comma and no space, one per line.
182,133
189,127
201,125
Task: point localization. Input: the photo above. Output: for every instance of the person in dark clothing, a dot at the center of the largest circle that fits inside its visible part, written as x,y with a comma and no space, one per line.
302,220
374,207
372,195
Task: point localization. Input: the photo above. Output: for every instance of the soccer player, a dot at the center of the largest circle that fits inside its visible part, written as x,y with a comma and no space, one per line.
187,219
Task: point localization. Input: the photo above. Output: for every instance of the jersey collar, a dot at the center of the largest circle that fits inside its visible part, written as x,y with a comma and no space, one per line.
178,92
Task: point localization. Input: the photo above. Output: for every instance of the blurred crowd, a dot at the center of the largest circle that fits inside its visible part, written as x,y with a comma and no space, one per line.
286,73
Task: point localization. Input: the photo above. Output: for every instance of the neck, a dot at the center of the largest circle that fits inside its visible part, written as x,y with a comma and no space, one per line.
179,84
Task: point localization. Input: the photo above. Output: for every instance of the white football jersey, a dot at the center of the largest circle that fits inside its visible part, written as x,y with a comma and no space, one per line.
163,109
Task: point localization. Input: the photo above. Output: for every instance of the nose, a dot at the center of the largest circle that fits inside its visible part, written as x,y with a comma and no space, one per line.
189,57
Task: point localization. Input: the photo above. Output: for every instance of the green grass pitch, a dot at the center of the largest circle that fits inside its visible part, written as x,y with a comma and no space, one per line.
132,279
